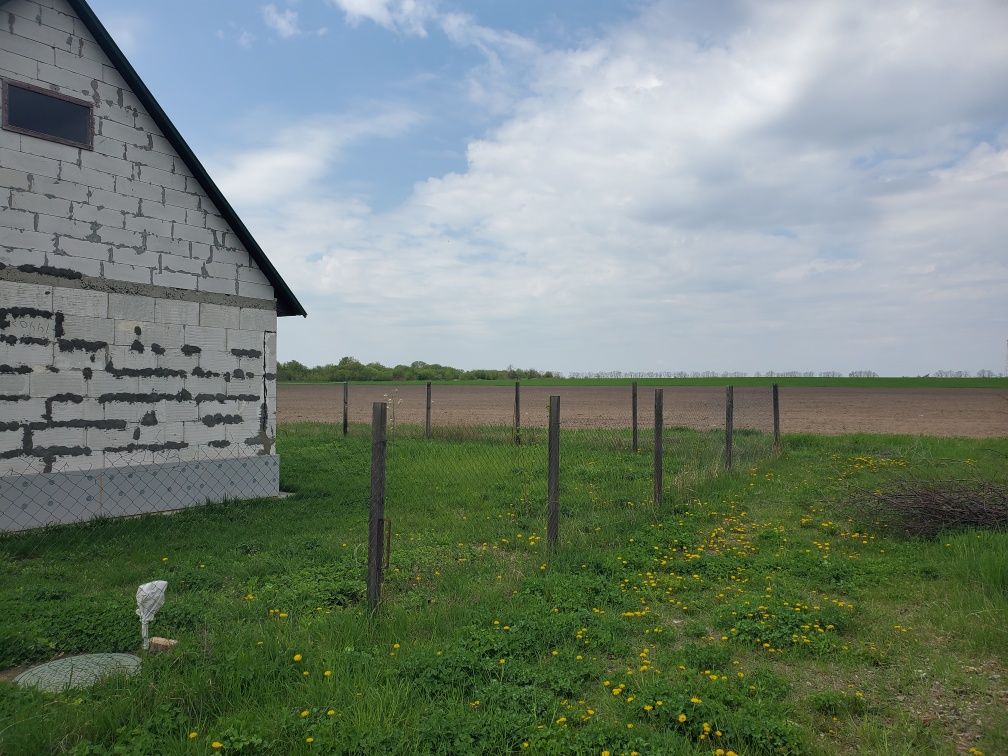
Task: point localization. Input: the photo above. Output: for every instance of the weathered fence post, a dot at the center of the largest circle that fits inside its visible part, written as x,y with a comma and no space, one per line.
729,420
659,421
553,485
346,404
427,427
776,419
517,414
376,516
633,413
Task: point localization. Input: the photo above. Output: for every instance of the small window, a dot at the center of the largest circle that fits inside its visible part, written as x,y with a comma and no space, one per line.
48,115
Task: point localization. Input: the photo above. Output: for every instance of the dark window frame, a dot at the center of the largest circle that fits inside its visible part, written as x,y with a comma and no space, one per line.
7,126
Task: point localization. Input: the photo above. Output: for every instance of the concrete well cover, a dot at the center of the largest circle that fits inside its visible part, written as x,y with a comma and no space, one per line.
77,671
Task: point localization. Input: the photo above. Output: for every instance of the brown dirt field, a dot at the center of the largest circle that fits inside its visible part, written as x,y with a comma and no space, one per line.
980,413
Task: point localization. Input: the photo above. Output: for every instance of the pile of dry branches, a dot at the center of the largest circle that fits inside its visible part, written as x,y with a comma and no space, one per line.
926,508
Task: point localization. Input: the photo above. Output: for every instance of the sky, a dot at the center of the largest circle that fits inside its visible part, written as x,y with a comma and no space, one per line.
608,186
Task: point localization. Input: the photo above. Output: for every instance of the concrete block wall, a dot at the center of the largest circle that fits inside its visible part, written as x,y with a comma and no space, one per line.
128,210
92,379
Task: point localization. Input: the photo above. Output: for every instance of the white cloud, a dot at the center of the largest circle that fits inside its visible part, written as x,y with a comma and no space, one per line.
810,186
300,157
404,16
283,22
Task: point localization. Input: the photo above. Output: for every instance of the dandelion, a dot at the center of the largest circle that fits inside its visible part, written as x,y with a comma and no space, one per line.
309,740
681,717
306,673
283,615
297,657
216,745
304,713
561,720
327,673
695,700
193,735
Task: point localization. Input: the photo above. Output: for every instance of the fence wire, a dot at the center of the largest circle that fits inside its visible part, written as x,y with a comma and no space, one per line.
77,539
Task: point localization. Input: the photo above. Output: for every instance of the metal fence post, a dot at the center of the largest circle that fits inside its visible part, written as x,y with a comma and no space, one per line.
633,413
729,425
776,419
346,404
553,485
659,421
517,414
427,427
376,516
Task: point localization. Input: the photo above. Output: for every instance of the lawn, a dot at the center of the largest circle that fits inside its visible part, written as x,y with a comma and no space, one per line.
751,612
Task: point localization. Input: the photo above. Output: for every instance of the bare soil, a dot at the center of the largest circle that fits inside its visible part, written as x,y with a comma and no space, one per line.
979,413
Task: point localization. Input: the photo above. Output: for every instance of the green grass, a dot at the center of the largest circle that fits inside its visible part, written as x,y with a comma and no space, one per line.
881,382
748,601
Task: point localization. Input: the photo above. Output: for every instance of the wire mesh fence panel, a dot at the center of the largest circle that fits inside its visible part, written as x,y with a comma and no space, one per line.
753,425
77,542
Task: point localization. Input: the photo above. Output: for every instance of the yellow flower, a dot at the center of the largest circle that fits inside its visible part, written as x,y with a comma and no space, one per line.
330,712
327,673
682,717
216,745
283,615
193,735
395,646
695,700
306,673
304,713
525,744
606,753
309,740
561,720
297,657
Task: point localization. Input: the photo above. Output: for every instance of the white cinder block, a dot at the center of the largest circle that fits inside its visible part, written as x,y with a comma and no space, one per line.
131,307
102,382
67,356
176,311
26,295
58,437
34,355
255,290
220,316
83,265
13,384
255,319
86,409
120,272
22,411
218,285
88,329
241,339
93,304
165,334
208,339
44,383
38,203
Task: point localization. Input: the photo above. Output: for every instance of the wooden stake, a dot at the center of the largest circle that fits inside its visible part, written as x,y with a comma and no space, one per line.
346,404
729,425
517,414
376,516
427,428
659,422
553,485
776,419
633,413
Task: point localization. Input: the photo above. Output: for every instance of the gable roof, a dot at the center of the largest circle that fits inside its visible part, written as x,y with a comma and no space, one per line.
287,303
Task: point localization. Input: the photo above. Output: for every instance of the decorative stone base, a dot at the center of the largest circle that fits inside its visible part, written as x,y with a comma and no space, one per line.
35,501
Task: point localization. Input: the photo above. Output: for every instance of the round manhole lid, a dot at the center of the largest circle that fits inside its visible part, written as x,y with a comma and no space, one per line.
77,671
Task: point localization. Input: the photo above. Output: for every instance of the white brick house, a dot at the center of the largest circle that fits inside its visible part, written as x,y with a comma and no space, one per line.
137,313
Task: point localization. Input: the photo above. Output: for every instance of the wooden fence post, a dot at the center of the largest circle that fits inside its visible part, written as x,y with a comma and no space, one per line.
659,421
346,403
517,414
376,515
427,428
553,485
776,419
729,425
633,413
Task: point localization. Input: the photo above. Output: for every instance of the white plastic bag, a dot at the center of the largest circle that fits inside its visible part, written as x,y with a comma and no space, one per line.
149,597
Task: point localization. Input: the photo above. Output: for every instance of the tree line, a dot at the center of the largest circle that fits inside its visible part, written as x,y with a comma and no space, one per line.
351,369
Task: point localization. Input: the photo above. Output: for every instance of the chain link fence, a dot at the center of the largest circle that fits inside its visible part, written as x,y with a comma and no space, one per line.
77,538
